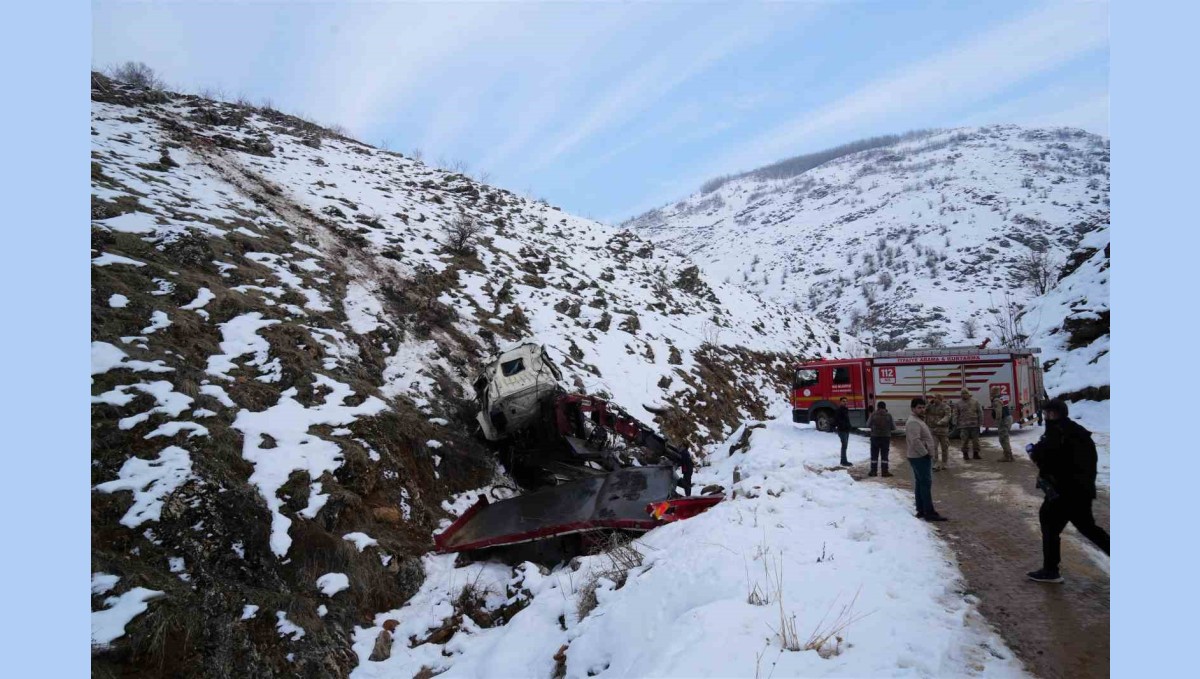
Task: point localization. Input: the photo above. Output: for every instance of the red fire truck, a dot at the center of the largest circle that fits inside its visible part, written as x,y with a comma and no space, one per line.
896,377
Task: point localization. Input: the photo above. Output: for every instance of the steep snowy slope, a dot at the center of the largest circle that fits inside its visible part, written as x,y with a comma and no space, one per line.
1071,323
911,243
283,337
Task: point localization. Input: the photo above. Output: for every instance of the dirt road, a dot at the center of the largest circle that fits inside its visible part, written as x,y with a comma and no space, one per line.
1057,630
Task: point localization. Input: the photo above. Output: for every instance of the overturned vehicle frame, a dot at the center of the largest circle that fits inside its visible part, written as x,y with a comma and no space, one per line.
587,464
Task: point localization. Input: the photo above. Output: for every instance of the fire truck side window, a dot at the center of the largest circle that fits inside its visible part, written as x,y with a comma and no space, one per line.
841,376
806,378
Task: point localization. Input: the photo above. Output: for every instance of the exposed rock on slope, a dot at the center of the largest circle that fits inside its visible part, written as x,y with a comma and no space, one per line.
281,347
909,243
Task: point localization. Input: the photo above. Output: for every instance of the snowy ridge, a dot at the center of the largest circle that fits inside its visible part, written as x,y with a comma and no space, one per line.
907,244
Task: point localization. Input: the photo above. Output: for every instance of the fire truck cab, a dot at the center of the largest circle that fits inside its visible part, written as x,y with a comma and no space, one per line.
896,377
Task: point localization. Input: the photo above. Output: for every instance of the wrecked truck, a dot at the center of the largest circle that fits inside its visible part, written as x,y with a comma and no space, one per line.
586,465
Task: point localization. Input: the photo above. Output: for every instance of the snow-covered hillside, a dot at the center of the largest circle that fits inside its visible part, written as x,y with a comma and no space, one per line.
282,345
1070,323
870,591
913,243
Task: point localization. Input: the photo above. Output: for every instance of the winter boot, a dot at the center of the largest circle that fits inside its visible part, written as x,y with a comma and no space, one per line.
885,471
1043,575
847,463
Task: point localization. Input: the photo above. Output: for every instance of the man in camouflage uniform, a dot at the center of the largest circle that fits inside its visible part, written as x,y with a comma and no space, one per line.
968,416
937,416
1003,417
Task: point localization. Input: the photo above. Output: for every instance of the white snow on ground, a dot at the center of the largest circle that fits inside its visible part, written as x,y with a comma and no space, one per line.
287,627
1082,295
240,337
131,222
332,583
812,540
288,422
362,309
118,301
150,481
203,297
158,321
104,582
360,540
108,624
167,401
249,611
217,393
108,259
173,428
107,357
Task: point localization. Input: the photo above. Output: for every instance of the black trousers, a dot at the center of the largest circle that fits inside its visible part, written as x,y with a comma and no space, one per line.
1055,515
845,438
880,447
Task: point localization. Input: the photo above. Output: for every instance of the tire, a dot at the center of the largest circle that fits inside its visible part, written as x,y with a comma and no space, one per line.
824,420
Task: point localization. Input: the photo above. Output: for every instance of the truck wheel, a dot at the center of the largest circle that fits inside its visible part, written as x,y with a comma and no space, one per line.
824,420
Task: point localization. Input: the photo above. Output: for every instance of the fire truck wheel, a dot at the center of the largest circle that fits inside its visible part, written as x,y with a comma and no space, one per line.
824,420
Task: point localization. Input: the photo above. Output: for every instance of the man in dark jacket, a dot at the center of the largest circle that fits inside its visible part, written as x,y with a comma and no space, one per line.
686,466
1066,460
841,421
882,425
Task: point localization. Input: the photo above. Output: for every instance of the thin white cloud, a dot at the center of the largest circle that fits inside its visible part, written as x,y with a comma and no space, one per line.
677,60
383,55
1037,42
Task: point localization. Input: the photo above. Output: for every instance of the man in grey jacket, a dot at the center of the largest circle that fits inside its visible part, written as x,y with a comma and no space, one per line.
921,448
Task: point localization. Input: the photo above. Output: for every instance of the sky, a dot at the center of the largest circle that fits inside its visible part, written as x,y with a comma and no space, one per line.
608,109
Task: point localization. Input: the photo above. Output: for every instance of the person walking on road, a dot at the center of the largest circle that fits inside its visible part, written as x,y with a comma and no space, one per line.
1003,417
937,416
968,415
841,421
1066,460
921,448
882,425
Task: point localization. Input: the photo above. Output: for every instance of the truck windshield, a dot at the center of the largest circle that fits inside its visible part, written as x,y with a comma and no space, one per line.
806,378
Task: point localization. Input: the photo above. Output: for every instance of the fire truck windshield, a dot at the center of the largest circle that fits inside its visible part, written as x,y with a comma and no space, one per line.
806,378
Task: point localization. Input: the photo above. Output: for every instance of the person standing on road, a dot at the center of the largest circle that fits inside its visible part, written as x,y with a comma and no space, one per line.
921,448
1066,460
882,425
1003,417
968,413
937,416
841,421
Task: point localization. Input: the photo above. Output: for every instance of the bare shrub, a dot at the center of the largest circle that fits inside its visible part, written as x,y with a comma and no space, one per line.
622,556
138,74
824,633
460,235
1037,271
1006,322
970,328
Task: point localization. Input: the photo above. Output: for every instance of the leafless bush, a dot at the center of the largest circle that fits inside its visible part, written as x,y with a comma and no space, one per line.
1006,322
1037,271
137,74
416,153
622,556
460,235
970,328
885,280
824,633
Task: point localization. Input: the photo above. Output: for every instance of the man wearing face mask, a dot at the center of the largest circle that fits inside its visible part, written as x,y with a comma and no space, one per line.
1066,460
